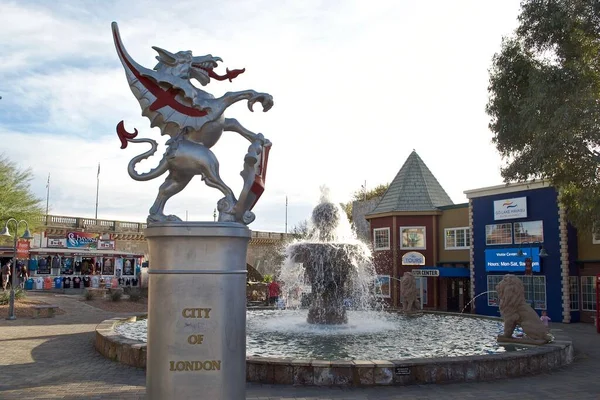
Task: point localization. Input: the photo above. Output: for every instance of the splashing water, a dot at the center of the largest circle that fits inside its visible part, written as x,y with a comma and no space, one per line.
331,270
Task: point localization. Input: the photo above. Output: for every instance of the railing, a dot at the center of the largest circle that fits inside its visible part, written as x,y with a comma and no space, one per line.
61,221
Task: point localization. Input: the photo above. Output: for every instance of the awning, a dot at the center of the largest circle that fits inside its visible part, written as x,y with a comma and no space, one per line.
442,272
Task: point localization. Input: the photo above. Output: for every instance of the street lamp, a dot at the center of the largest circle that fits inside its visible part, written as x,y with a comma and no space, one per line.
26,235
529,260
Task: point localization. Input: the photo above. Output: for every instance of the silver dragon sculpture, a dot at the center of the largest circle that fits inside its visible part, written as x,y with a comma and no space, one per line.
194,120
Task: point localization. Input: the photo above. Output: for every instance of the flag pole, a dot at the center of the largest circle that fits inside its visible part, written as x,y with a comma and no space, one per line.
47,198
97,189
286,207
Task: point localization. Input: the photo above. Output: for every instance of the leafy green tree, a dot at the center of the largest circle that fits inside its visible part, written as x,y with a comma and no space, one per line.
16,198
359,195
545,102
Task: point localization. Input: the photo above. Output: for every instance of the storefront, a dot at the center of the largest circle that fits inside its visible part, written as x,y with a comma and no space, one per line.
521,229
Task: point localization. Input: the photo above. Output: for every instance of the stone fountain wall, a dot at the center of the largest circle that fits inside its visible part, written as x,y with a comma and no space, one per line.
419,371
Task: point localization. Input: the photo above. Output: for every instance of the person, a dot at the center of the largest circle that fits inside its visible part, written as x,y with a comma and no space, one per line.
274,291
545,318
5,275
23,276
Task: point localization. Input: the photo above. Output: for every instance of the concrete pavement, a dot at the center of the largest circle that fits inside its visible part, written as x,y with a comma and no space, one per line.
54,358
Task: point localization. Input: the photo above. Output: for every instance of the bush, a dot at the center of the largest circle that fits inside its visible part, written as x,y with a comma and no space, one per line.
116,295
88,295
135,295
5,296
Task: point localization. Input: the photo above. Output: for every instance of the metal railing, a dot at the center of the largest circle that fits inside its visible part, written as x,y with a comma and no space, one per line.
62,221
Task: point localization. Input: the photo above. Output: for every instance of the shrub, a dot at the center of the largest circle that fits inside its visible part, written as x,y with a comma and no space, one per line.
5,296
88,295
135,295
116,295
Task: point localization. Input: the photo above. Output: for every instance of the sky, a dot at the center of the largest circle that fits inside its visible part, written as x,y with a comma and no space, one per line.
358,85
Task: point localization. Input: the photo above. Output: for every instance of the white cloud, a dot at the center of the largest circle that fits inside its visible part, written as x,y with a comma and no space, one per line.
357,86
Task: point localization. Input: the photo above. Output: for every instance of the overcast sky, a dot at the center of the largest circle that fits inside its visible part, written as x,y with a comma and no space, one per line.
357,86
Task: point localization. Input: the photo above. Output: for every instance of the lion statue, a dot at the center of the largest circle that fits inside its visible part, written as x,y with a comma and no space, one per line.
408,290
515,311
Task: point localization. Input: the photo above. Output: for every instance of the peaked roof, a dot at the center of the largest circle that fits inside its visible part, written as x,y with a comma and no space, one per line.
413,189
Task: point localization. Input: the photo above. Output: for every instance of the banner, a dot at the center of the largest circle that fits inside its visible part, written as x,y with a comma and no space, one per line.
508,260
82,240
23,249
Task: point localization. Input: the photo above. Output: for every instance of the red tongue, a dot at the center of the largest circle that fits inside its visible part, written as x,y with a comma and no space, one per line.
229,75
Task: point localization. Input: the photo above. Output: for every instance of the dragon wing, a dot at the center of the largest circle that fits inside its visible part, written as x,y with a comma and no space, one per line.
166,108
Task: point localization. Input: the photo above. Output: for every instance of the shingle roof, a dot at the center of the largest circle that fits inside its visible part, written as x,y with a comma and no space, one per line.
413,189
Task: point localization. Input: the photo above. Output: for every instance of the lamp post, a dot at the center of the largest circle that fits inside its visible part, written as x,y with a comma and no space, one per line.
529,263
26,235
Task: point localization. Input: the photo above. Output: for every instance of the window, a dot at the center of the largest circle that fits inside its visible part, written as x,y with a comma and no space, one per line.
422,282
530,231
381,239
413,238
595,238
498,234
588,293
574,292
457,238
382,286
535,286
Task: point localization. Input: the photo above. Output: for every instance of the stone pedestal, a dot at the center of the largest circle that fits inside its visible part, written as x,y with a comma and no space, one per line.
197,311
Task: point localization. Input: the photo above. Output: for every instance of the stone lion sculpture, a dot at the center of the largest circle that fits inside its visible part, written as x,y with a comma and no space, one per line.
408,290
515,311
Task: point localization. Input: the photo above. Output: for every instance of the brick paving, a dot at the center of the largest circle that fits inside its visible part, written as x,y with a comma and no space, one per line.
54,358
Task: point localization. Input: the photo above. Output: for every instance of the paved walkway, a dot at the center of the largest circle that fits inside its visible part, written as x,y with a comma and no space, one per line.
54,358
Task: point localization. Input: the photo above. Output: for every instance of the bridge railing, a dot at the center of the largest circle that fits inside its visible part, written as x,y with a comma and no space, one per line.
62,221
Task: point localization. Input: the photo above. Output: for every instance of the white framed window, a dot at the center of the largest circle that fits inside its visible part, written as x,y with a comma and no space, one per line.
457,238
422,282
412,238
588,293
535,287
383,286
574,292
381,238
529,231
498,234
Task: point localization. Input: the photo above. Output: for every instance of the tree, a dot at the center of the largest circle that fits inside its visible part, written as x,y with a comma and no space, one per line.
545,102
360,195
301,230
16,198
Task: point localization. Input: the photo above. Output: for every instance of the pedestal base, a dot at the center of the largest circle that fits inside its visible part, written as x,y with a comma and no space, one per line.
524,341
197,311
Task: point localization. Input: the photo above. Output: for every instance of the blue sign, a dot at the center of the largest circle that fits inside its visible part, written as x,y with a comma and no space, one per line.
508,260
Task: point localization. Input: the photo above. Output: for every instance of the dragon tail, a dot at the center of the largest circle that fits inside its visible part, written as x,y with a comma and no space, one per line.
127,137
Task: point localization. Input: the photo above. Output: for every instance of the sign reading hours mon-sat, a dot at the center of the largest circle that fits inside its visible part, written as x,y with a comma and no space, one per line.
509,260
510,208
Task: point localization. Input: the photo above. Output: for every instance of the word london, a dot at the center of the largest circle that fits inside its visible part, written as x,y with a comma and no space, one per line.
212,365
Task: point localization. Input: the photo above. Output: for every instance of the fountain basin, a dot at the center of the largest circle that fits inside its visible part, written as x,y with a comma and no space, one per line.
366,371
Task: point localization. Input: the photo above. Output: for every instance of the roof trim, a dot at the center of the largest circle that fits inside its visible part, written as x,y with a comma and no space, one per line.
403,214
507,188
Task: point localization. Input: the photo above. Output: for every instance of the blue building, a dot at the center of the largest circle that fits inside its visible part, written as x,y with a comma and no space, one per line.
517,227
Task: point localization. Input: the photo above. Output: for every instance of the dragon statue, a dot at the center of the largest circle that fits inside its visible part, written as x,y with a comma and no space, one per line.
194,121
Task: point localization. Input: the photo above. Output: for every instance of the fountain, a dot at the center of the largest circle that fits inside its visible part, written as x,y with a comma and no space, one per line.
334,263
343,336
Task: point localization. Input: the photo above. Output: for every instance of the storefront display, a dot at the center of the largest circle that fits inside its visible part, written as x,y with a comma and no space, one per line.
66,267
108,267
86,281
39,283
43,265
129,266
66,281
57,282
76,282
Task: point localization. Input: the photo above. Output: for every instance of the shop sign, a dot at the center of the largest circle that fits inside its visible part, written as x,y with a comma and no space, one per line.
508,260
510,208
106,245
57,242
421,273
413,258
402,370
82,240
23,249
